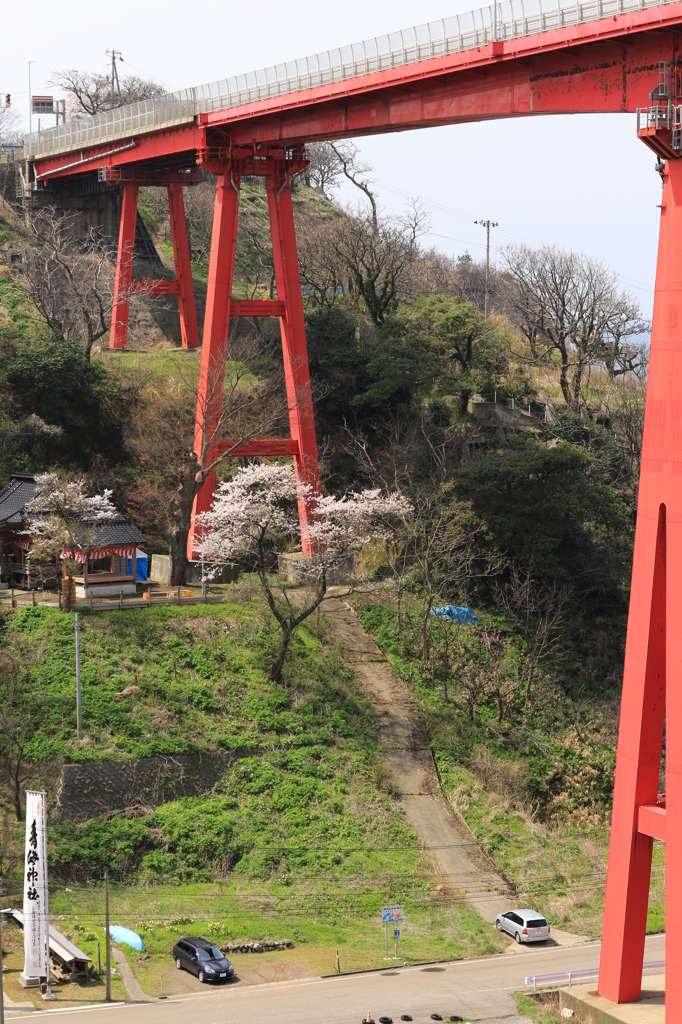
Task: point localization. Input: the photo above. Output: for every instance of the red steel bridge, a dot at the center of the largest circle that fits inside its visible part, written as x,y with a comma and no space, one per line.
513,59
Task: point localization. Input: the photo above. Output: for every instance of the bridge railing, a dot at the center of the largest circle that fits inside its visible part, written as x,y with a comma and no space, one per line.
506,20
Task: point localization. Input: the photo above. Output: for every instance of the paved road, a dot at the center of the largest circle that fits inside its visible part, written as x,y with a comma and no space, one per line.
477,989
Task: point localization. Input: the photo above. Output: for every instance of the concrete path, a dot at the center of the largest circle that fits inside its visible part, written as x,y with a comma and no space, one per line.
133,987
411,769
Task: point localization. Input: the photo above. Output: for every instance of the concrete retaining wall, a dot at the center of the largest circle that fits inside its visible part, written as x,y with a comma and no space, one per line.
137,786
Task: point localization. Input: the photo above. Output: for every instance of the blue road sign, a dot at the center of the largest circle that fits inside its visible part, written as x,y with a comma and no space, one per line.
392,913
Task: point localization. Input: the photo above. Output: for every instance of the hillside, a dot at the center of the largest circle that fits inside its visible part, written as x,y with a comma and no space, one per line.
528,521
300,836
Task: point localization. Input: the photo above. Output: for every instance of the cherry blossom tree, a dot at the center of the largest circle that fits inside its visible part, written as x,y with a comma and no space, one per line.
63,519
257,510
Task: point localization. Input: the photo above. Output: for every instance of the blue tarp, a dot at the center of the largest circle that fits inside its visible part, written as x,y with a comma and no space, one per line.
458,613
124,935
141,565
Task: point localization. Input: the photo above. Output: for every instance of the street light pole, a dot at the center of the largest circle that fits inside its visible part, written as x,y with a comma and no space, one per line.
78,679
30,110
108,942
2,994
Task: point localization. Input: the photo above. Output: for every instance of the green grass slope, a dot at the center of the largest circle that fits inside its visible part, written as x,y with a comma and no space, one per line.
301,836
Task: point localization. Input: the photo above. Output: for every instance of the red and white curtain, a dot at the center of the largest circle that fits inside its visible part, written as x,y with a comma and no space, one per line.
23,544
82,556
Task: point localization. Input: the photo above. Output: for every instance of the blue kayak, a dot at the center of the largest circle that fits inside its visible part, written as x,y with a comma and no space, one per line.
125,935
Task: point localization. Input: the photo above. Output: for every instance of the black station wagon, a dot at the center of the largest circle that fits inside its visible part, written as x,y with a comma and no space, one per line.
203,959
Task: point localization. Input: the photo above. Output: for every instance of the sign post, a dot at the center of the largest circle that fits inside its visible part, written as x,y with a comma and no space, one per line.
392,915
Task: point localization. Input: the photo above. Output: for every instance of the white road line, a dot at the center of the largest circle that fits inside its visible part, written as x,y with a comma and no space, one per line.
65,1009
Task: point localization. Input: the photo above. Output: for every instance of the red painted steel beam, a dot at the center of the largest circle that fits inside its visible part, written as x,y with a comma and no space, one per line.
260,447
118,333
651,821
150,176
179,141
214,346
601,66
189,330
154,286
653,655
256,307
294,350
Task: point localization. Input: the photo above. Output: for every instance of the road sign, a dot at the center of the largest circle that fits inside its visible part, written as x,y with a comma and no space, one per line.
392,913
396,933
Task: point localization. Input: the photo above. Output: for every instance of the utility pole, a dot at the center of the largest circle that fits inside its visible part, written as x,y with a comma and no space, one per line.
114,54
78,679
2,994
30,110
487,224
106,925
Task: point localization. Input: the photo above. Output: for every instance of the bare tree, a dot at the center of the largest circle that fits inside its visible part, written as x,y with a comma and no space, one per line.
321,265
10,128
254,261
347,154
377,253
537,611
324,168
199,206
441,539
627,415
431,273
567,303
70,279
90,92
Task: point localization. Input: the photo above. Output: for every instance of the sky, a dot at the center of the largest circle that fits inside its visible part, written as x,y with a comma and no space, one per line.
583,181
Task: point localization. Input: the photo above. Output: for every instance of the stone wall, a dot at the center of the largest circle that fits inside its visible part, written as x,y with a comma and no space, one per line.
137,786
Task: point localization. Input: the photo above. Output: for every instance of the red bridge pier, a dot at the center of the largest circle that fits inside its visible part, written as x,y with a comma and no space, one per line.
652,680
124,286
276,167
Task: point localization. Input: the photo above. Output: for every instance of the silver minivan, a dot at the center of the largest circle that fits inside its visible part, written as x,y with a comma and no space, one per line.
523,925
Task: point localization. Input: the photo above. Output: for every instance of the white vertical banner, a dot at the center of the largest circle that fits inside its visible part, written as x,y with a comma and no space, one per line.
35,887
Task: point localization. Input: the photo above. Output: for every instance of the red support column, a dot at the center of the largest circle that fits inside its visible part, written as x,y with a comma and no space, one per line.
637,765
183,268
292,326
214,346
118,334
652,679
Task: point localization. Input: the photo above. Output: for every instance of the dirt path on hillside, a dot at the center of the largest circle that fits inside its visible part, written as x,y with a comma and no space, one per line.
411,769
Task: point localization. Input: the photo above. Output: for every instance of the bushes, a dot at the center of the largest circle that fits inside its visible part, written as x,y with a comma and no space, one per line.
62,408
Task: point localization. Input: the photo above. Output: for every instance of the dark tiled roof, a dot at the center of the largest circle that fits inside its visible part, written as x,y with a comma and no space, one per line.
116,531
14,497
22,488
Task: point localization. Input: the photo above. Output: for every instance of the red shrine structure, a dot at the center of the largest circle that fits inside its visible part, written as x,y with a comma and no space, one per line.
512,59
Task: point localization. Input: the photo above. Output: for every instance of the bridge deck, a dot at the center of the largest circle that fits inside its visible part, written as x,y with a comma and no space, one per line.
497,33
